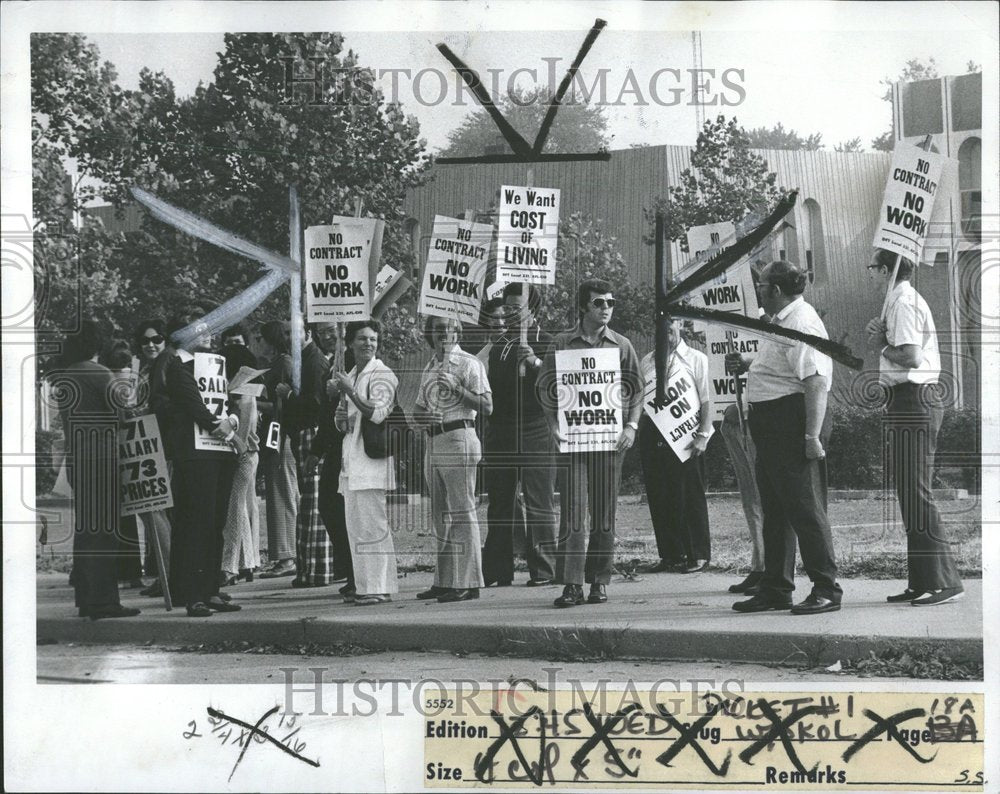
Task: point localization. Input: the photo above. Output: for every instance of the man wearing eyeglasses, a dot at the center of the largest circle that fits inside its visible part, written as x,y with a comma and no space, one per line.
592,477
787,392
909,367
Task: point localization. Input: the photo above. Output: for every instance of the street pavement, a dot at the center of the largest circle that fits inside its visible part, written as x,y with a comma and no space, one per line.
658,616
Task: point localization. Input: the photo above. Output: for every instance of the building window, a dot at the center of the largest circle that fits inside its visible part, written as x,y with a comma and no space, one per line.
922,111
967,102
812,233
970,155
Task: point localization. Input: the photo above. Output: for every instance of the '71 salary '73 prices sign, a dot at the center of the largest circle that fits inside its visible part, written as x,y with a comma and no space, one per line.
337,278
590,397
527,235
909,200
145,484
456,268
210,376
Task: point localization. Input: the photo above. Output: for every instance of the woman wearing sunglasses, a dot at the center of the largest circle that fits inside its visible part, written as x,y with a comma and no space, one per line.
150,340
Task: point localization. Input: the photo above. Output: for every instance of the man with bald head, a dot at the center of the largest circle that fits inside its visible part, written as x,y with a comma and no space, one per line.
787,392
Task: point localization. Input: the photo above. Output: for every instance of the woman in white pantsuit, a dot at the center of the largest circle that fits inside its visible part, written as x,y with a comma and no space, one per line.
370,389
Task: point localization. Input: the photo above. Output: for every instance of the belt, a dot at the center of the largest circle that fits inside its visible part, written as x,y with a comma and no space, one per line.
458,424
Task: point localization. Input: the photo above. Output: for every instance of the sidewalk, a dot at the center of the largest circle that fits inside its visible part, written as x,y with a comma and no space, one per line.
663,616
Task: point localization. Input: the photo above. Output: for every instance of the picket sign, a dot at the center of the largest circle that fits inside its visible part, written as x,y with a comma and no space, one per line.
679,415
907,205
145,483
590,399
210,377
455,269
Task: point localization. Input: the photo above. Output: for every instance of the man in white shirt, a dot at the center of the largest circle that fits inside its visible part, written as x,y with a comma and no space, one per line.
787,393
909,366
675,489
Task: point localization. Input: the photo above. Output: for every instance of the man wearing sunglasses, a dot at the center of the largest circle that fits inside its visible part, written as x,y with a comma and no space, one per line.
909,366
592,477
787,391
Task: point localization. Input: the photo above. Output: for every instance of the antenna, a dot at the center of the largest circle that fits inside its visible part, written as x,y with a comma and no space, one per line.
699,107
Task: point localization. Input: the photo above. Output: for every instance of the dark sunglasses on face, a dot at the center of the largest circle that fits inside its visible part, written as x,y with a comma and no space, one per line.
152,340
601,303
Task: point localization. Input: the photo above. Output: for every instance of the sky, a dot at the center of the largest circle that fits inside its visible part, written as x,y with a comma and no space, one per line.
810,81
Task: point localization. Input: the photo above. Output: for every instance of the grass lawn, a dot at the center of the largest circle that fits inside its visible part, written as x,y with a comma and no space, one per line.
866,545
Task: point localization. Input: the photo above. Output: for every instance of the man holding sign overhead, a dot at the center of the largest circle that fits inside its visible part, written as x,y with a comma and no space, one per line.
673,436
592,389
909,366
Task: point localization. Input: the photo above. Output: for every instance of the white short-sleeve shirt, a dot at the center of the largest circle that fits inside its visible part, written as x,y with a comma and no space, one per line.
908,321
781,366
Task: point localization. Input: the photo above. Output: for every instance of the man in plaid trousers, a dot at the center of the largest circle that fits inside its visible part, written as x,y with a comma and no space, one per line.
314,552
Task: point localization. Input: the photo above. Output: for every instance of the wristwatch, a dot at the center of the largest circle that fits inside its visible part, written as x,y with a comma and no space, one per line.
632,425
699,434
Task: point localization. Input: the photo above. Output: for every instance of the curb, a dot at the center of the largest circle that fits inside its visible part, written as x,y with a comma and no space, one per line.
530,640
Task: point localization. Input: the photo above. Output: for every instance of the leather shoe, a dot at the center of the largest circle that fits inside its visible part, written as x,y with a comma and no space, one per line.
665,566
98,613
539,582
761,604
497,582
283,568
572,596
199,610
695,567
459,595
223,606
815,604
347,588
904,597
155,590
751,582
433,592
598,594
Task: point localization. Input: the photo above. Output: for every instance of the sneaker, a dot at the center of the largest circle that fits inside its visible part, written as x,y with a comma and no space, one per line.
906,595
934,597
572,596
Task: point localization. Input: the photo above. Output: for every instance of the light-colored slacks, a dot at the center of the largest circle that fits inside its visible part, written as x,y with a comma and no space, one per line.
743,455
372,549
240,535
450,470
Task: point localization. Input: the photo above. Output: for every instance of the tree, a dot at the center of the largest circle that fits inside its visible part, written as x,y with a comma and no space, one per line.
578,127
777,137
726,182
587,251
852,145
230,152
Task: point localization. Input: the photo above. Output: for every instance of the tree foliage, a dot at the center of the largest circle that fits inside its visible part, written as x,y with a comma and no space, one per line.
228,153
578,126
586,251
726,182
777,137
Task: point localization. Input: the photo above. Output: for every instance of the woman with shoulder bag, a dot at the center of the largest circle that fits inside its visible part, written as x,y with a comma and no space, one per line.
369,392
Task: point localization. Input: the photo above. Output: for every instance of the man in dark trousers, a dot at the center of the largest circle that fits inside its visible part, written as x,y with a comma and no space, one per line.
201,480
593,477
909,366
519,448
787,392
325,455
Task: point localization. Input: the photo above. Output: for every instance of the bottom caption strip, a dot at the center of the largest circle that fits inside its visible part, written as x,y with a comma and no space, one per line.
882,741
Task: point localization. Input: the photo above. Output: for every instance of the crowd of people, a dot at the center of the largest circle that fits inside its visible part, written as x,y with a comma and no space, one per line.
328,452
